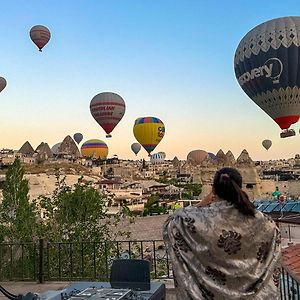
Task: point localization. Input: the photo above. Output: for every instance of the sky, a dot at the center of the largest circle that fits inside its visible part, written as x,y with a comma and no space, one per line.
168,59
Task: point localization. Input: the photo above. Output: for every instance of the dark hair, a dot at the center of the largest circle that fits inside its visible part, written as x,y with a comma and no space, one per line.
228,186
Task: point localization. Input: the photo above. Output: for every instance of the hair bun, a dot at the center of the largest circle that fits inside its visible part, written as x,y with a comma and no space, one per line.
224,177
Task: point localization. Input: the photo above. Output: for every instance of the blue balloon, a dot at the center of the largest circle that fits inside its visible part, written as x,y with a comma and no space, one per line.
211,156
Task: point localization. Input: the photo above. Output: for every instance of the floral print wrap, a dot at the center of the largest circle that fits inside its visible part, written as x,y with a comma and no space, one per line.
218,253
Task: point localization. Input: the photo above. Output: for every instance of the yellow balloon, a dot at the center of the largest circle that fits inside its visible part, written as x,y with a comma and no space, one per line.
149,131
94,148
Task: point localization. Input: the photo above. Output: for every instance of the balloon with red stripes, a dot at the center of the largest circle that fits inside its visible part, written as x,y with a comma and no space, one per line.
40,35
108,109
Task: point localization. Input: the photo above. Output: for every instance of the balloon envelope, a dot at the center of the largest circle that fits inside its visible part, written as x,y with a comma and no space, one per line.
55,148
267,144
157,158
211,155
136,147
2,84
266,67
94,149
107,109
78,137
149,131
40,35
163,154
197,156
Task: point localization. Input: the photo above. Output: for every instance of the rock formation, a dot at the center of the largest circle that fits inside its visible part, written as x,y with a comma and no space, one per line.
26,149
244,159
68,147
230,158
221,158
43,152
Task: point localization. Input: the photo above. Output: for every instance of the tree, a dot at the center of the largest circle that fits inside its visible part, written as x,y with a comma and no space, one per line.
18,216
152,206
75,213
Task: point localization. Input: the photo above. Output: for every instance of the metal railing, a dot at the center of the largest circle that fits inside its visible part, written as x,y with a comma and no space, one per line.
289,287
51,261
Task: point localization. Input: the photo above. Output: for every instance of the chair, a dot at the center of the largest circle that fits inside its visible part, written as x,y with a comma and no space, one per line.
130,273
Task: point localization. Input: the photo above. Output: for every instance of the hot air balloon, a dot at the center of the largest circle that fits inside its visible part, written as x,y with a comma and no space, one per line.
40,35
211,155
55,148
78,137
197,156
149,131
163,154
136,147
107,109
157,158
2,84
267,144
266,67
94,149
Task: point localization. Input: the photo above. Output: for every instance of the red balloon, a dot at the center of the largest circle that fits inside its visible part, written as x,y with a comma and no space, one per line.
40,35
107,109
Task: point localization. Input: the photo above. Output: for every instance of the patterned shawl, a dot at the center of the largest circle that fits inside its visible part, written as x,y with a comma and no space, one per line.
218,253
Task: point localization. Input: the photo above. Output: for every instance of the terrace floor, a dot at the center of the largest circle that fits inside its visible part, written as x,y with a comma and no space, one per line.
21,287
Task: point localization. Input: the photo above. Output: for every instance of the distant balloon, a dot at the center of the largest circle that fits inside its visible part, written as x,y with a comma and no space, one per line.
107,109
157,158
211,156
267,144
2,84
78,137
136,147
266,67
94,149
55,148
149,131
40,35
197,156
163,154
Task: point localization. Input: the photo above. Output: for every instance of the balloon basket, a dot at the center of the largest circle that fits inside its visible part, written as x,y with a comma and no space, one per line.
108,135
287,133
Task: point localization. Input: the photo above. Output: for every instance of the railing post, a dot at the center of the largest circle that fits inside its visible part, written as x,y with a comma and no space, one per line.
41,278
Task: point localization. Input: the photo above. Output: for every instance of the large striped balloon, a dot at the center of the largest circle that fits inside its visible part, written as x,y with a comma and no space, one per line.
149,131
197,156
107,109
40,35
267,67
94,148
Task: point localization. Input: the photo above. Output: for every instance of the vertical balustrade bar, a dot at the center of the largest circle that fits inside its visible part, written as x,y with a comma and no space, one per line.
168,267
284,284
118,250
106,260
82,261
142,250
154,260
11,263
48,261
129,249
94,260
22,259
71,259
41,261
288,285
280,284
59,261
